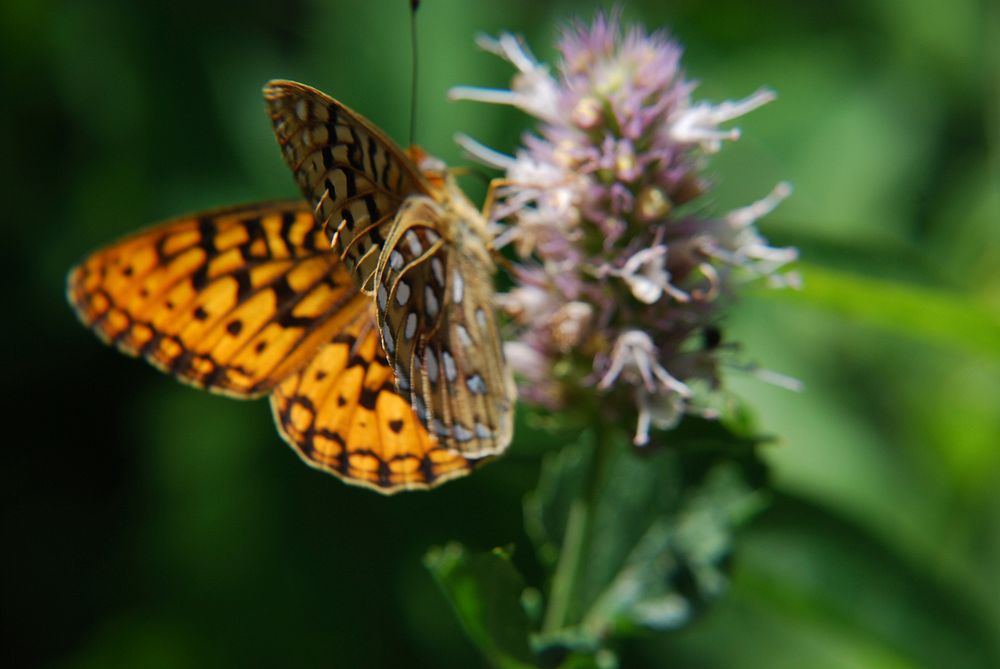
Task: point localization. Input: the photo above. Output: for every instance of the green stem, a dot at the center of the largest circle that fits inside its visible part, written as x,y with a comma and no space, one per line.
579,527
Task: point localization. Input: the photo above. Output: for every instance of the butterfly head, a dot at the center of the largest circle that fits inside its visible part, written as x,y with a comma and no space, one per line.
433,169
446,191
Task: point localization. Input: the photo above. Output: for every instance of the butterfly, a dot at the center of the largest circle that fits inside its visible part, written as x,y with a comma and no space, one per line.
364,311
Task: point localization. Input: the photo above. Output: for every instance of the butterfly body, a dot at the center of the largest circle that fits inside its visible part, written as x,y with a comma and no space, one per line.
364,311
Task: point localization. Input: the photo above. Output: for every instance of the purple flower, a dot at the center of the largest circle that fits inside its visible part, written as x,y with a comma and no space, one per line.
614,285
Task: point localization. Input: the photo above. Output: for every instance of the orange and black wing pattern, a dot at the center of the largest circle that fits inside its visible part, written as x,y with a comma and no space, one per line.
303,299
232,300
343,415
250,300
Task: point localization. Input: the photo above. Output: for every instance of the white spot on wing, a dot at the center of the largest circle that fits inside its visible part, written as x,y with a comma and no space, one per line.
463,335
430,360
476,384
403,293
396,260
430,301
414,243
457,287
411,325
438,269
388,342
383,296
449,365
481,318
483,432
461,432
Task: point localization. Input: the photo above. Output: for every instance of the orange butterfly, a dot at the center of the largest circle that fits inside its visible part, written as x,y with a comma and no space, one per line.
367,316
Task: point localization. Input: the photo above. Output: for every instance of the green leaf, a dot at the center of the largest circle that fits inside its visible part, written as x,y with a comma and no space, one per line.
641,538
828,592
547,508
938,315
485,590
692,542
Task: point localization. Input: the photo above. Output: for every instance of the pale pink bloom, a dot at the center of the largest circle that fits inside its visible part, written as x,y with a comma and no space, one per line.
647,276
608,276
635,358
699,124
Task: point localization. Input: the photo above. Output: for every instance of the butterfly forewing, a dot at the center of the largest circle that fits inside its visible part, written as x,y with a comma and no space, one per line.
343,415
232,300
352,173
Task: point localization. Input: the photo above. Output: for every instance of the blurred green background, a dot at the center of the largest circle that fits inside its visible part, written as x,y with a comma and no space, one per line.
152,525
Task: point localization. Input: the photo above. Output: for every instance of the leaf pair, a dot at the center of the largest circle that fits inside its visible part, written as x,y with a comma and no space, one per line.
632,543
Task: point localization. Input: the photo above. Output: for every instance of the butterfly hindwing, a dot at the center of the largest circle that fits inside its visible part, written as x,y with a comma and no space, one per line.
433,298
342,414
232,300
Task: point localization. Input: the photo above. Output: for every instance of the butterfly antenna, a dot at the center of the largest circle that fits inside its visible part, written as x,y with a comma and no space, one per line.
414,6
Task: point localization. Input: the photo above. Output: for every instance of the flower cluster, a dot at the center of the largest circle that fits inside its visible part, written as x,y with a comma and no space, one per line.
619,276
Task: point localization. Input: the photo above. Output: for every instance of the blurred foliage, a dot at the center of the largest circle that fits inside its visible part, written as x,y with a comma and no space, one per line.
635,544
485,590
152,525
657,535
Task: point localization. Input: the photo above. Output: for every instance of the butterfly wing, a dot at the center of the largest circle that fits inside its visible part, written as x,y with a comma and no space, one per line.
233,300
249,299
354,175
342,414
434,302
432,282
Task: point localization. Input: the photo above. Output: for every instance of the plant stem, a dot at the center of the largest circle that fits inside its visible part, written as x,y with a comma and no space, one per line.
579,528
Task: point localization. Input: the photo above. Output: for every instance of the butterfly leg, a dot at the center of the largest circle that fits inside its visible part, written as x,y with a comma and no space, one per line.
491,194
